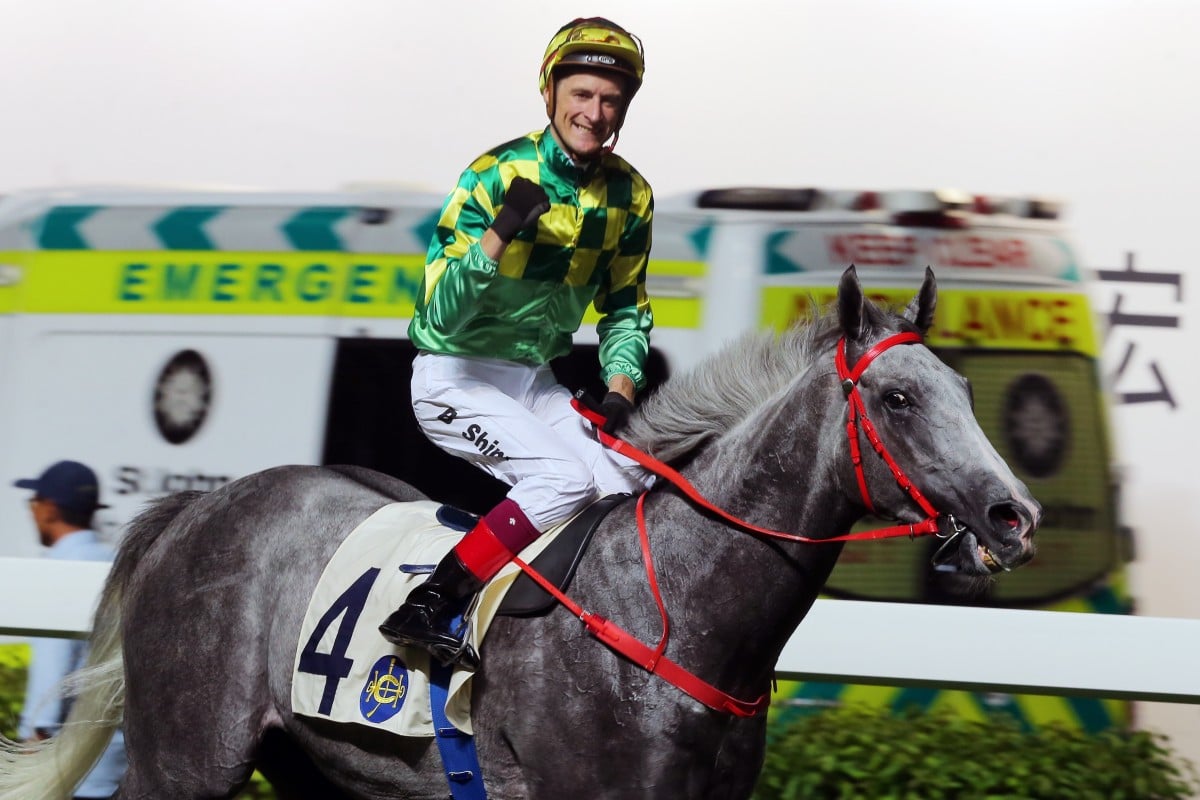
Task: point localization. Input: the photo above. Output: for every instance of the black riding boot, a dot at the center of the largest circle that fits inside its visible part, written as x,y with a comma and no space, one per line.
424,619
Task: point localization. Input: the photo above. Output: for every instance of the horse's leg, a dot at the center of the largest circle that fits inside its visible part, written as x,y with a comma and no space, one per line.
197,704
185,756
292,773
175,752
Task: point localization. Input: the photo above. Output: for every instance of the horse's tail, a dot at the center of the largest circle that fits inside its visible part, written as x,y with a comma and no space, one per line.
51,769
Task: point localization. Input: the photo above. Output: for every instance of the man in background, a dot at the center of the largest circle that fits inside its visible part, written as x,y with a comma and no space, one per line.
65,498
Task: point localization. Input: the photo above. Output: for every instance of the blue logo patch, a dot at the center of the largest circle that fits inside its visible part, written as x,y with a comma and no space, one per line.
386,689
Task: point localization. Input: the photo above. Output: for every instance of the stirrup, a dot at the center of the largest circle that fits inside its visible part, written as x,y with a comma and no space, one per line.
464,655
451,646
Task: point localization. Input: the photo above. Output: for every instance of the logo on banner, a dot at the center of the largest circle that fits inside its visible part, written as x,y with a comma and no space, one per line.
385,691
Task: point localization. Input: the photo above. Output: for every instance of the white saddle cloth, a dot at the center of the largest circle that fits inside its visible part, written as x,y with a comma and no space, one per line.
345,671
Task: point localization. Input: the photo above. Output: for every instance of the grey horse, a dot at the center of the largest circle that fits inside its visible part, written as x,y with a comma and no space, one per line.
196,632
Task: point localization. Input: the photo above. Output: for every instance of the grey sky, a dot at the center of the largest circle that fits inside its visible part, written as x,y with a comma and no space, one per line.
1089,100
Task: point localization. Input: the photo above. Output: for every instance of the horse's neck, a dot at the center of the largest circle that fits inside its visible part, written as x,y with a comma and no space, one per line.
750,591
779,473
780,469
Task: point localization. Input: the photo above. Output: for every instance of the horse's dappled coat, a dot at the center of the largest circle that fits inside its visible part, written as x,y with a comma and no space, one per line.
205,600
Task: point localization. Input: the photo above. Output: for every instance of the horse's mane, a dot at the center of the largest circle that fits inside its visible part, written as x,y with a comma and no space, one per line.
694,408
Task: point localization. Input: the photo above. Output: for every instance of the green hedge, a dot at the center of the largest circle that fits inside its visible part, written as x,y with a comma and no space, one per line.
14,659
866,753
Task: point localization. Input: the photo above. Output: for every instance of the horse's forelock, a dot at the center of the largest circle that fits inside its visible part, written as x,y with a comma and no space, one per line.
878,323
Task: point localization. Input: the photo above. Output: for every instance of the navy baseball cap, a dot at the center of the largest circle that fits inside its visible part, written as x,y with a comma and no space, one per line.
69,484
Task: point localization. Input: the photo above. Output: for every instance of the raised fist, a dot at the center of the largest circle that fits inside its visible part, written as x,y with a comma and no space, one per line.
524,202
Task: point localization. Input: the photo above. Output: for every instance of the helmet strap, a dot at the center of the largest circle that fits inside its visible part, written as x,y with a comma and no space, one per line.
616,137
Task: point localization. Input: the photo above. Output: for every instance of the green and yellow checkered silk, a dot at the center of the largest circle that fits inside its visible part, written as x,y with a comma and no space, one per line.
592,246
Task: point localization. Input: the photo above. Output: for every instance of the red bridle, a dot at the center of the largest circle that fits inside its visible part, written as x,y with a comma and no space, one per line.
857,411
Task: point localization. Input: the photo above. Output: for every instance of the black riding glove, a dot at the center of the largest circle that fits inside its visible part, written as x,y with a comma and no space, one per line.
524,202
616,409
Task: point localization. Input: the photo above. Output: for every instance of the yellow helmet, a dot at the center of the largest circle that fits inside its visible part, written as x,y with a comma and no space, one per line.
596,43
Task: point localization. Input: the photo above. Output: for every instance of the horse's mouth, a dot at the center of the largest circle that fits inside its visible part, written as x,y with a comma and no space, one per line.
989,560
979,558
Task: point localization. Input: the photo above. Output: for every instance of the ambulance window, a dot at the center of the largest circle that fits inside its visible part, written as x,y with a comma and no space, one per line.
758,198
370,423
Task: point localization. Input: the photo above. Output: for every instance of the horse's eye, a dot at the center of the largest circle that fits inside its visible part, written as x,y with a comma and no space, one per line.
895,399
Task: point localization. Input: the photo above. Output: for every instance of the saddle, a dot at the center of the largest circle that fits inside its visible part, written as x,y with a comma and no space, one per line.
557,563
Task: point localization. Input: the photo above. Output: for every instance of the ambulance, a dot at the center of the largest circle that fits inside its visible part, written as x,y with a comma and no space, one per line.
177,339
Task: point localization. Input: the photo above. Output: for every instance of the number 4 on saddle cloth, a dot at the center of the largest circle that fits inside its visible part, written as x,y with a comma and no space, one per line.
346,672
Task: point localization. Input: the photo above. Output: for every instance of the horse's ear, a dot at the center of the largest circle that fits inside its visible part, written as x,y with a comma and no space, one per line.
851,302
920,309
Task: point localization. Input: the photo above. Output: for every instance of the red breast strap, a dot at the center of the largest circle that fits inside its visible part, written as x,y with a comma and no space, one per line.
653,661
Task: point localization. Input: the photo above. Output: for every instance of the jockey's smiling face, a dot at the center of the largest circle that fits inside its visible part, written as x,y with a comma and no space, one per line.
585,109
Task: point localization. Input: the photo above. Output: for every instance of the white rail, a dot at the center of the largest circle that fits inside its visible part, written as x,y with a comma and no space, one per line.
982,649
988,649
44,597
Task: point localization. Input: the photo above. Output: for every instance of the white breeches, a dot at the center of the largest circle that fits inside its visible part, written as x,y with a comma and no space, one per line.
516,422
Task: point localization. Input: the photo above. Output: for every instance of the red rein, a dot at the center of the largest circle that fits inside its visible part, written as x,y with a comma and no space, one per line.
653,660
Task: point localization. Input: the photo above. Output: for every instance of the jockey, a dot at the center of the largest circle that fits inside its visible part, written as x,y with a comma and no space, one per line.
537,229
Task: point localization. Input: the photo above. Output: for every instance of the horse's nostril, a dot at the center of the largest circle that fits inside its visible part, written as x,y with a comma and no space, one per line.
1007,517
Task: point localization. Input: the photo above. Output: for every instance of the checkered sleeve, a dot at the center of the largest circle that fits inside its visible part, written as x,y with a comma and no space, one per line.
457,271
624,306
